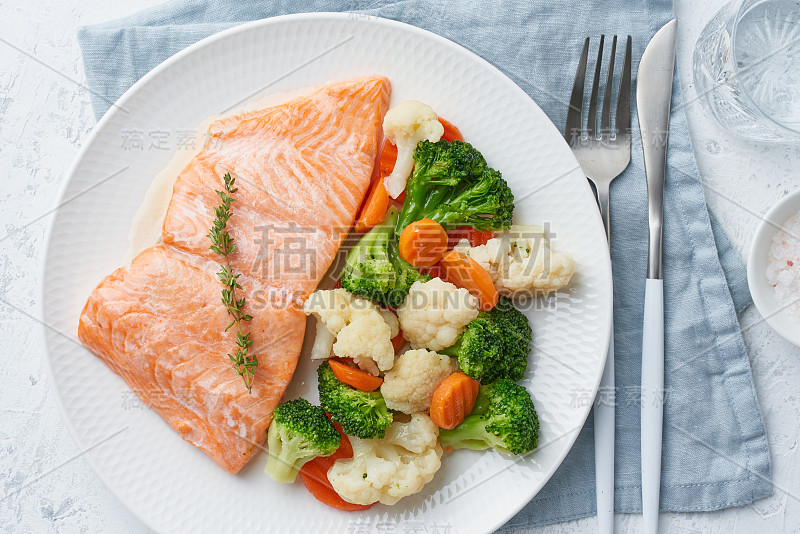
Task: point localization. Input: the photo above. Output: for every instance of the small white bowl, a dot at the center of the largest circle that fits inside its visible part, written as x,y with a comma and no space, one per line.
775,313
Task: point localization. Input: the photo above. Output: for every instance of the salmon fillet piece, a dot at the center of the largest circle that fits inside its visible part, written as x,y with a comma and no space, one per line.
302,169
160,324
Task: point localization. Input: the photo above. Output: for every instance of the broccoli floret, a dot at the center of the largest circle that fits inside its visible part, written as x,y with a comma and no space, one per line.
448,163
495,344
374,268
360,413
452,185
503,418
299,432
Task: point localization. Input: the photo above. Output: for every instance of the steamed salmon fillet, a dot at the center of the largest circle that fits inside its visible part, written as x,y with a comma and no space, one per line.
302,169
160,324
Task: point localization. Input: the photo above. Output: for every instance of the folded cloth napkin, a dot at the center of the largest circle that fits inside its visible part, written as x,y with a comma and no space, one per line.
715,452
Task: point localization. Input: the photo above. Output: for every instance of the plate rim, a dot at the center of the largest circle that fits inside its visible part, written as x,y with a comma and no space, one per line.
118,107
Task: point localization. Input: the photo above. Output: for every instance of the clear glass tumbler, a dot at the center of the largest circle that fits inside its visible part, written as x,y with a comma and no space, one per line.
747,69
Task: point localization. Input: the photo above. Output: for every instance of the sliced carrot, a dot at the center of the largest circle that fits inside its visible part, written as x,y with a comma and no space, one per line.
373,211
398,342
453,400
316,482
432,271
388,159
348,361
451,133
345,449
314,475
479,237
422,243
474,236
463,271
455,235
355,377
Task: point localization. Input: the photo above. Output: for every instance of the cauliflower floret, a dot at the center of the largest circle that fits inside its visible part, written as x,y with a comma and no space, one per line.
521,262
391,320
435,313
336,307
366,337
406,125
416,374
352,327
386,470
543,272
323,342
486,255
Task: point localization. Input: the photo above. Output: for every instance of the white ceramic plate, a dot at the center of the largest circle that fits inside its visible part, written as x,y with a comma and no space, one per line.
174,487
776,314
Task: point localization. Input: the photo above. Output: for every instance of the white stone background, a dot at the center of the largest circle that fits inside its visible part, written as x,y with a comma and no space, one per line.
45,116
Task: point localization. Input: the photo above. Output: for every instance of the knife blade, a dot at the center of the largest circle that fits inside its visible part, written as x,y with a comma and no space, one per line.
653,96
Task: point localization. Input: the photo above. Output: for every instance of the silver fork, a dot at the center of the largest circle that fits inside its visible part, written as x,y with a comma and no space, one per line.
603,155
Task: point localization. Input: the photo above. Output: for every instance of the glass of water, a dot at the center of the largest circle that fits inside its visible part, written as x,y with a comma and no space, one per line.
747,69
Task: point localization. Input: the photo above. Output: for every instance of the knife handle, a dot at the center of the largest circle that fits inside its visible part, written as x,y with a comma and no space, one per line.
652,401
604,410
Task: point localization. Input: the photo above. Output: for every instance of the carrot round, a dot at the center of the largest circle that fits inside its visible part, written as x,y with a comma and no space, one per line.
432,271
314,475
422,243
463,271
451,133
479,237
398,342
316,482
373,211
453,400
355,377
387,161
345,449
474,236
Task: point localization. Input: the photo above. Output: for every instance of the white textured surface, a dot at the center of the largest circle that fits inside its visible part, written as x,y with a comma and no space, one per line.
44,118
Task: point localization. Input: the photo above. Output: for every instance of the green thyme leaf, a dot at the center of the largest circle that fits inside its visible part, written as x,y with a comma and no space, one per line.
222,243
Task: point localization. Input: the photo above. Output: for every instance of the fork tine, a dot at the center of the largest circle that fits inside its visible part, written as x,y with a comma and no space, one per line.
605,123
592,119
573,127
623,122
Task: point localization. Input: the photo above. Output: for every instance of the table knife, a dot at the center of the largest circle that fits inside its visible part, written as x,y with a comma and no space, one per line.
653,95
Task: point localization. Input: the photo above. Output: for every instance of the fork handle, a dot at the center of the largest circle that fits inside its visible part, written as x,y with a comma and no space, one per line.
604,414
604,409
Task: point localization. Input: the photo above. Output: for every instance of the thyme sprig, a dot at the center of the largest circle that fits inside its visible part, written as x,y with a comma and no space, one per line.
222,243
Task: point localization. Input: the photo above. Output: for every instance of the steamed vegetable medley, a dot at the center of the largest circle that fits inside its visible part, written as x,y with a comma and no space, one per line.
422,346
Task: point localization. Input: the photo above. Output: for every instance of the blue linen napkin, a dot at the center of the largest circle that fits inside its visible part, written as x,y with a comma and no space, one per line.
715,452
